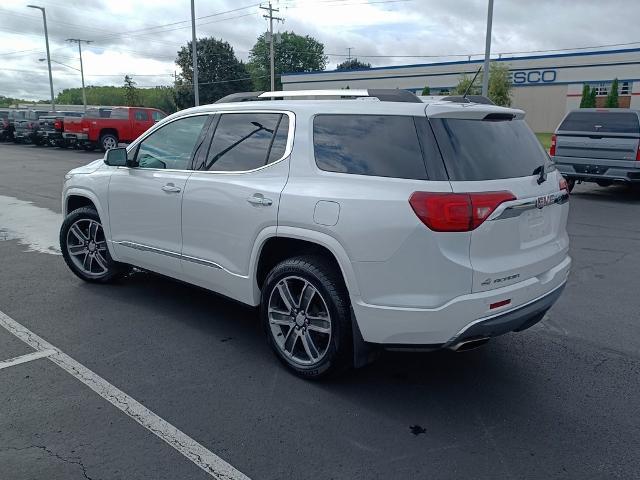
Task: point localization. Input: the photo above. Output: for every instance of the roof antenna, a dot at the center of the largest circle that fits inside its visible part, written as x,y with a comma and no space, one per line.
466,92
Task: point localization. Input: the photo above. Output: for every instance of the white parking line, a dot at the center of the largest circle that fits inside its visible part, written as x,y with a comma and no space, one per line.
25,358
187,446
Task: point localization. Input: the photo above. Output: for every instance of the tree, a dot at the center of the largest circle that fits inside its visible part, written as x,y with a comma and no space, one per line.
353,64
586,97
293,53
220,73
499,84
612,97
130,92
426,90
592,98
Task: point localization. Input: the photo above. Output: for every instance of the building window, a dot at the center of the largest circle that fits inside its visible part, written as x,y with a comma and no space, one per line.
624,88
602,89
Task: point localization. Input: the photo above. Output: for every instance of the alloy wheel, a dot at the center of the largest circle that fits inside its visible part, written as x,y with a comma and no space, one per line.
299,321
87,247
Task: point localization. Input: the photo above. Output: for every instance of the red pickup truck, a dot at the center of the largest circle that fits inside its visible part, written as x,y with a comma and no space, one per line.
123,124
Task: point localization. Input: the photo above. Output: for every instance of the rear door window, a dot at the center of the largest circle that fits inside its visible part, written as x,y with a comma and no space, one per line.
601,122
246,141
378,145
488,149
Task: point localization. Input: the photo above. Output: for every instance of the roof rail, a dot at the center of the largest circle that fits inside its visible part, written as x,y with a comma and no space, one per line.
315,93
382,94
240,97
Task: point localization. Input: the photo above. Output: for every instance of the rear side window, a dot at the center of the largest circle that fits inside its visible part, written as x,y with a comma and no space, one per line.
488,150
119,113
141,115
246,141
379,145
601,122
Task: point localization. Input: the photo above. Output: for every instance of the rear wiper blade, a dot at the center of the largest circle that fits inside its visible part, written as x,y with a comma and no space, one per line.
542,174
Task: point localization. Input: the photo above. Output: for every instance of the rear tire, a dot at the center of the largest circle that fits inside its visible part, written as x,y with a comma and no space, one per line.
84,248
108,141
306,315
604,184
571,183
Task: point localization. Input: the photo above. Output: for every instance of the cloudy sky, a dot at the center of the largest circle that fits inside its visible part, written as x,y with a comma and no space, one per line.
141,37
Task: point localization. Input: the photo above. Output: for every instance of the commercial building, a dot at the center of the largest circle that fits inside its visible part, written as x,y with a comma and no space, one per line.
545,86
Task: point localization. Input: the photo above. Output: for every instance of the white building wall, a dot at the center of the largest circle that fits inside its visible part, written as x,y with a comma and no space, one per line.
545,106
635,95
545,86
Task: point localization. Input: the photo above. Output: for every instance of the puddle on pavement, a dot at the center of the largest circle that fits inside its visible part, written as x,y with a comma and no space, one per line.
35,227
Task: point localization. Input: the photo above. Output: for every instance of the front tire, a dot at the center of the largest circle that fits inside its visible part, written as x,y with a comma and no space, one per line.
84,248
306,315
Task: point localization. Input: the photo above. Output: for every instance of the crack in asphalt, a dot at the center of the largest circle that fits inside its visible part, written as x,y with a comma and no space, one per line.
75,460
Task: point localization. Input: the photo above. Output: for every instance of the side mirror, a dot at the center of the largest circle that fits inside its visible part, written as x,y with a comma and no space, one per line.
116,157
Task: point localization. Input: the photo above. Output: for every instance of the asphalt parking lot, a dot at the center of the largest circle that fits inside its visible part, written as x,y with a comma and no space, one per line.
561,400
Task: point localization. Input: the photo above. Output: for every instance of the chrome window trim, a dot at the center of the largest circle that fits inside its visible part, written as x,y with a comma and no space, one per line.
287,150
177,255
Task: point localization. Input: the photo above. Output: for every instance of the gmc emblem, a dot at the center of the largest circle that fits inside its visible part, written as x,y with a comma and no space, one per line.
542,202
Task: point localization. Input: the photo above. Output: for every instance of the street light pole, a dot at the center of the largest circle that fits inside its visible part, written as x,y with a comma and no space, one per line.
194,54
46,38
487,51
79,42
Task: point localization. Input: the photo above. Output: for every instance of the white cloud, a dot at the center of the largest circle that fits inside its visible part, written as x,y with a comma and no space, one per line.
418,27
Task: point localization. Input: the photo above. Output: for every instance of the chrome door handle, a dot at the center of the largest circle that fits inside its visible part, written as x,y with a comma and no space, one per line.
171,188
259,199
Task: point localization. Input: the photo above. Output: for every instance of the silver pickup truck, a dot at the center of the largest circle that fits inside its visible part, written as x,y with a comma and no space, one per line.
598,145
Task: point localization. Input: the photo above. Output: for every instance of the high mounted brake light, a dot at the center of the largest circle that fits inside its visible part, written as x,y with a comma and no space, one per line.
456,212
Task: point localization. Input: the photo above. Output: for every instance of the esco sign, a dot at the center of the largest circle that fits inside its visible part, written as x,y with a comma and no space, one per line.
533,76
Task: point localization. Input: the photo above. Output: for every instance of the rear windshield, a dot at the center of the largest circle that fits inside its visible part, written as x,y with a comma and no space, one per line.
488,150
601,122
378,145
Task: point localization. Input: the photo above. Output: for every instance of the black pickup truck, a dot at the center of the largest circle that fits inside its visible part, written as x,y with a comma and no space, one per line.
27,129
52,128
5,132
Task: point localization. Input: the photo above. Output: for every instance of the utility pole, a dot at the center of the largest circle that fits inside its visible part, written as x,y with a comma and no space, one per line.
487,51
194,54
79,42
46,39
272,60
349,53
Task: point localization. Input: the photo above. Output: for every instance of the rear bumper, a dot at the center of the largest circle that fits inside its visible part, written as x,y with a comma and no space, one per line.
76,137
594,169
463,317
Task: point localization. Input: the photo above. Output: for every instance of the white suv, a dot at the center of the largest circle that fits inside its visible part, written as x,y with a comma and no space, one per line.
377,220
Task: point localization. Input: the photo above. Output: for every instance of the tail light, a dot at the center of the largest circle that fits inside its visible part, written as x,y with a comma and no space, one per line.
29,125
563,184
638,154
456,212
57,125
552,148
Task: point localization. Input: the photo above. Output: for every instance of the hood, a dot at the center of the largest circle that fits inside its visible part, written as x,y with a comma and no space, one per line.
88,168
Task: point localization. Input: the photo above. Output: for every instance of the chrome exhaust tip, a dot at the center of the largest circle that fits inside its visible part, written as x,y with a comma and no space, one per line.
470,344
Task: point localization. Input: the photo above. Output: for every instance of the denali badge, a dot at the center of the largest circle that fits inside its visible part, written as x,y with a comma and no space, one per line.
542,202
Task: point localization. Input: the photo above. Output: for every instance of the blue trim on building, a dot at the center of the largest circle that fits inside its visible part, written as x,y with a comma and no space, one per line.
466,72
471,62
518,85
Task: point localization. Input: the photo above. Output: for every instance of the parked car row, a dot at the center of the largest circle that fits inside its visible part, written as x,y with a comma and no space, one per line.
102,127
